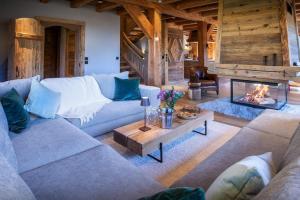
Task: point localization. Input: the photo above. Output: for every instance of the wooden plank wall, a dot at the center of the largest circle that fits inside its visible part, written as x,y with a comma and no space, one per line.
250,31
175,56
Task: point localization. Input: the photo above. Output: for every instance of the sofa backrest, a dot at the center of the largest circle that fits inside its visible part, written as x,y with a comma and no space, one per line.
6,147
293,150
286,183
21,85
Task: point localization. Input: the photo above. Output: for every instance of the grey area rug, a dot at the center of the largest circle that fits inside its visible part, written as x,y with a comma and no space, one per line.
225,107
180,156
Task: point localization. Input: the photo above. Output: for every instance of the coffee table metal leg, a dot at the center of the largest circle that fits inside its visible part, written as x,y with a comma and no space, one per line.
160,159
205,129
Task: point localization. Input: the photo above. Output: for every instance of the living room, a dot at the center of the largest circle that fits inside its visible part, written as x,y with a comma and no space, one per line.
149,99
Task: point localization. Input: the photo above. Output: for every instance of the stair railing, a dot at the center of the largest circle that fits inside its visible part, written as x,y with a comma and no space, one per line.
134,56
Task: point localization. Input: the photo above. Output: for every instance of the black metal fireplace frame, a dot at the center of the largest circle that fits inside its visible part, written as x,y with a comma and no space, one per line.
258,82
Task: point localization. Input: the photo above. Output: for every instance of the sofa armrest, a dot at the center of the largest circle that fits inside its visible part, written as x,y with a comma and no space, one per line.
151,92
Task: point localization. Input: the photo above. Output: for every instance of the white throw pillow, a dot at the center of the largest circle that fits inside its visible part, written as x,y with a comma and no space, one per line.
243,180
42,101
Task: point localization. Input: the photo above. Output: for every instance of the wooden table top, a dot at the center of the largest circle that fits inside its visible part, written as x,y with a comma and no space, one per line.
143,143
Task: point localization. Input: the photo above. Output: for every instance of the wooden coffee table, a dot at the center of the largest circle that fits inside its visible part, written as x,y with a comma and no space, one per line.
144,143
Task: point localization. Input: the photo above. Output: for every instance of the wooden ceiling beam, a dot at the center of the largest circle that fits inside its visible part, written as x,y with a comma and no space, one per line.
166,9
203,8
105,6
211,13
140,19
79,3
194,3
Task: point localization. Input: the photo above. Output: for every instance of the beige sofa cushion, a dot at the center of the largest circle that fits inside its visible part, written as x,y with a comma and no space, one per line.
277,123
285,185
293,150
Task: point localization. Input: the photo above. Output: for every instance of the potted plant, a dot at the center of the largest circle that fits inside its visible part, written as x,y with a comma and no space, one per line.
168,100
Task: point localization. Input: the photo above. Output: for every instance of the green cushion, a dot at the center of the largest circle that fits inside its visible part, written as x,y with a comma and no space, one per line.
178,194
127,89
17,116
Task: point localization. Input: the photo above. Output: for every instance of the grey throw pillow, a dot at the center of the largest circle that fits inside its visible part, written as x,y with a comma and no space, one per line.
106,83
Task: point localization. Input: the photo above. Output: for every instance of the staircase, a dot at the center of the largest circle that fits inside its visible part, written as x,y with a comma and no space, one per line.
126,67
132,57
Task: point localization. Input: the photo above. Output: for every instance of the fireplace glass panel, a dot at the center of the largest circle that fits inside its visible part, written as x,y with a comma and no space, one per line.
259,94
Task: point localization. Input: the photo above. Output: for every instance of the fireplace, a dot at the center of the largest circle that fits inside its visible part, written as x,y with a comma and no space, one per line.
259,94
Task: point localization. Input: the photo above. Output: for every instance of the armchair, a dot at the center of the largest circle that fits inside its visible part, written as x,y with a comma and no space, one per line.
199,78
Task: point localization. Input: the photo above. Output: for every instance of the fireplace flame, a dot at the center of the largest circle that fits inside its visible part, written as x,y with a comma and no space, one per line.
260,95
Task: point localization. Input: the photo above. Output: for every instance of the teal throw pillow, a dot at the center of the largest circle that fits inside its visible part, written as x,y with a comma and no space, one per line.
127,89
243,180
107,84
184,193
42,101
16,115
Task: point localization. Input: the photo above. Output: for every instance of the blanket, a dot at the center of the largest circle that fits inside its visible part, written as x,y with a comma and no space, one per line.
81,97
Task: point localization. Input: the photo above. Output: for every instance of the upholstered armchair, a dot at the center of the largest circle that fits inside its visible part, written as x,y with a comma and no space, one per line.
200,78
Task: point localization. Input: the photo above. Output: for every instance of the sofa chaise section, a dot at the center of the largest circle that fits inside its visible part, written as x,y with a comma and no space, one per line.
98,173
46,141
247,142
251,140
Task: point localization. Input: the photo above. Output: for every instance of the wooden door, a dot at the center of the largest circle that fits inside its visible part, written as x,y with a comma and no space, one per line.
26,52
175,54
70,53
52,52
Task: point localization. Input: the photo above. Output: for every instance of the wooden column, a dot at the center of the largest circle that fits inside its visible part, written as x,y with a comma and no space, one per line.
284,34
165,62
202,44
219,33
154,54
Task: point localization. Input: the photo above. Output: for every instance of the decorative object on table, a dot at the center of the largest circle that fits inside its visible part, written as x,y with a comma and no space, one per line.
153,116
145,102
188,112
168,99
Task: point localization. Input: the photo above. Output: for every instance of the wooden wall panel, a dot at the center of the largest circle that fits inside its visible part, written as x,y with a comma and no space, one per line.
250,31
26,51
175,54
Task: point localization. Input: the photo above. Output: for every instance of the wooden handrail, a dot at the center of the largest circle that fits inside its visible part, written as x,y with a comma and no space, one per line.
132,46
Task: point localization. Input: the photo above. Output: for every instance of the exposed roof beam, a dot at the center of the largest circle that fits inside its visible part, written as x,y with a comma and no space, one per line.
105,6
203,8
140,19
79,3
194,3
210,13
166,9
